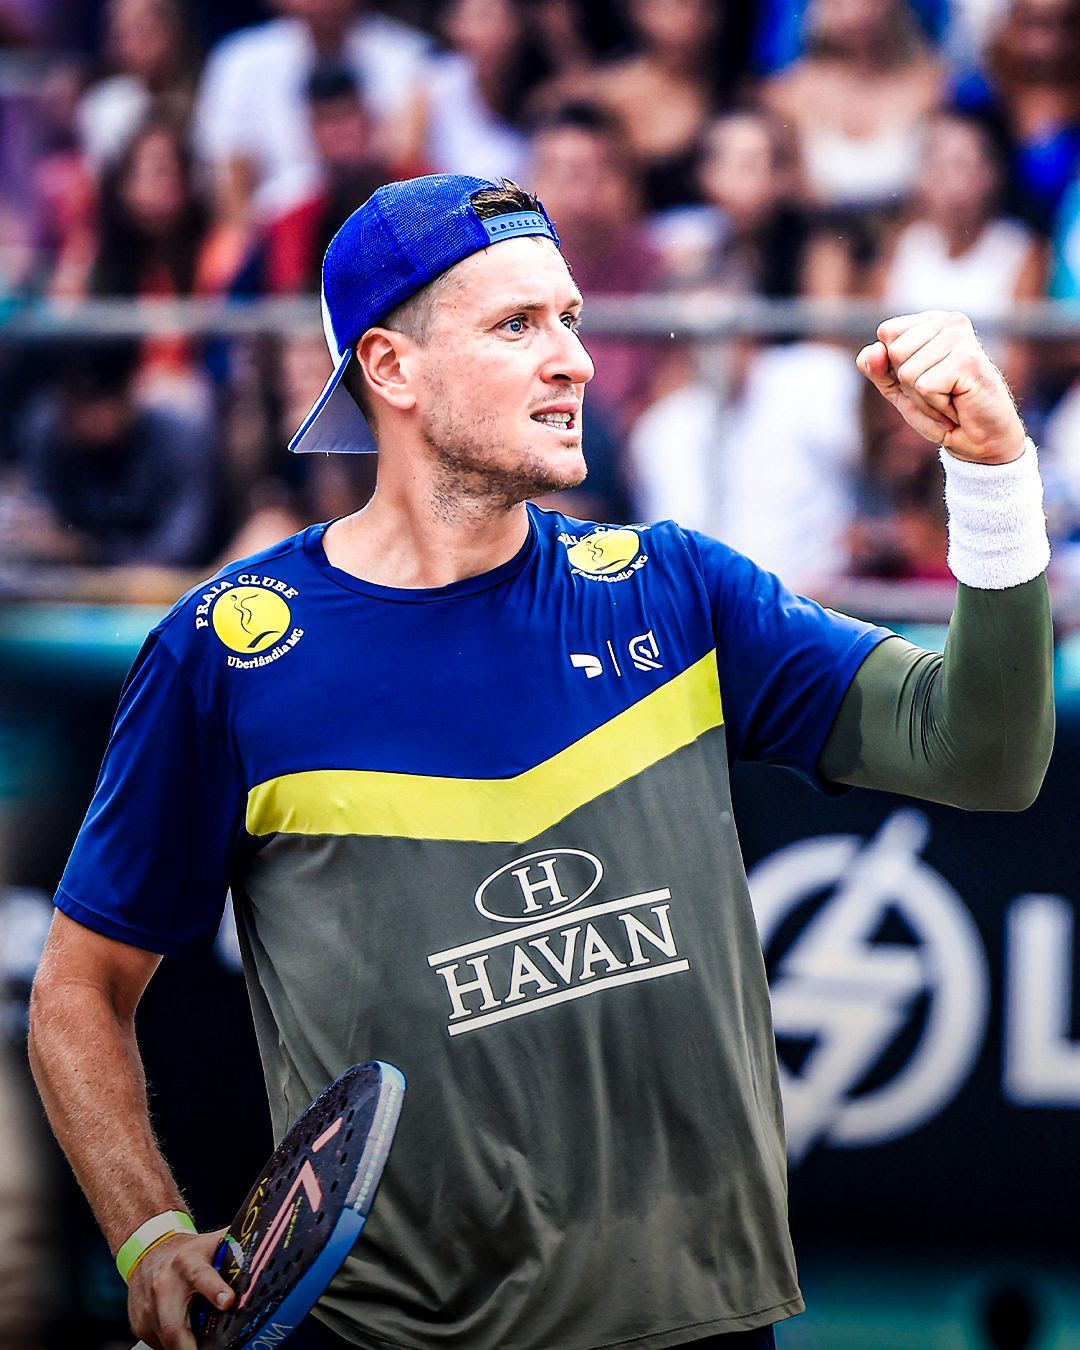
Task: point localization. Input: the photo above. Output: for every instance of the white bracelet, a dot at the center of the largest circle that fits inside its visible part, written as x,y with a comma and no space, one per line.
997,528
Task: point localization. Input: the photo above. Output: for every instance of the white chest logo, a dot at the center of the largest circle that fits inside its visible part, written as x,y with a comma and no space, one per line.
538,885
551,947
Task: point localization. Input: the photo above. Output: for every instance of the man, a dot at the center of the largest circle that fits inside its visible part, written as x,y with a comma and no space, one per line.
111,481
251,124
350,171
465,764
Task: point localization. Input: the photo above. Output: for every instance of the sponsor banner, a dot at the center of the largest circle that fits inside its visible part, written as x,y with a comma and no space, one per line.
924,967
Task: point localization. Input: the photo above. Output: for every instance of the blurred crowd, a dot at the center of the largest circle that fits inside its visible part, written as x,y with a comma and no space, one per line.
910,153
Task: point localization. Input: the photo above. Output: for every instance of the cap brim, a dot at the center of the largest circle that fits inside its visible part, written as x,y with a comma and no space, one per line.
335,423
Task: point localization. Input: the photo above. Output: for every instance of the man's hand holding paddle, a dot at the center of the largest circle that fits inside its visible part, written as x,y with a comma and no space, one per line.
161,1287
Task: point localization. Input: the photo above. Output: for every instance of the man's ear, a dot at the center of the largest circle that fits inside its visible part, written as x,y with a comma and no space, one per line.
386,358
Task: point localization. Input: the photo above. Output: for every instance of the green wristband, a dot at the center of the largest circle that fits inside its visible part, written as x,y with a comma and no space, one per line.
148,1235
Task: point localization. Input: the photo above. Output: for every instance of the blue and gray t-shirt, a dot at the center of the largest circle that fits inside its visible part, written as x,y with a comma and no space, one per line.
484,832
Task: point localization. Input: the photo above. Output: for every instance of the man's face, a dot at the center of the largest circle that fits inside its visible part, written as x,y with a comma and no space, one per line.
501,375
342,132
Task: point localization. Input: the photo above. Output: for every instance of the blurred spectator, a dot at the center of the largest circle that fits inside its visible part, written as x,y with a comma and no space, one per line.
150,242
969,28
251,122
956,250
762,457
350,169
62,187
750,237
781,27
24,1254
18,253
1065,272
569,36
18,27
856,101
899,532
587,181
665,93
1031,81
271,493
150,224
109,481
153,73
468,107
764,465
1059,459
324,486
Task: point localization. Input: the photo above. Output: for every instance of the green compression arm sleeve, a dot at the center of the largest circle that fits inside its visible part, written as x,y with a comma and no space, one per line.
973,728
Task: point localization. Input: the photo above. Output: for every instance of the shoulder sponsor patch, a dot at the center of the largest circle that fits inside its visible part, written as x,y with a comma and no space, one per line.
252,616
605,554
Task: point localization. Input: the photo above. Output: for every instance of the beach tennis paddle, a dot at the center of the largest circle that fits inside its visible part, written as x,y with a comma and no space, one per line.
302,1217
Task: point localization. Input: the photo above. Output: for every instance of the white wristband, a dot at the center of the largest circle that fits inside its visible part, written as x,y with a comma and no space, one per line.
997,529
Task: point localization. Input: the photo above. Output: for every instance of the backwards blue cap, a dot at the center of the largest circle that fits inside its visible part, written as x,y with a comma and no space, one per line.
403,236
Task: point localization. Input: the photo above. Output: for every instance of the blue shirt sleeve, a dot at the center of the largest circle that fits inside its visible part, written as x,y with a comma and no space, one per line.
784,662
150,866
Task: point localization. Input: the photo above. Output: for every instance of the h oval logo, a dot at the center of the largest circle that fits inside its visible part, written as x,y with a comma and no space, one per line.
538,885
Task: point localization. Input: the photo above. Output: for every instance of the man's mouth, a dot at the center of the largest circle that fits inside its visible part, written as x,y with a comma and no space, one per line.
561,421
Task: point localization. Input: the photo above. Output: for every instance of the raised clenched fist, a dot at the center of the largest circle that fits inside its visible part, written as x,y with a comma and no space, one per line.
934,370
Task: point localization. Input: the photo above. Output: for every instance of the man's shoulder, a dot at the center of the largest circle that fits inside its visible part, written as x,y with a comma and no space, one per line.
555,524
612,550
278,570
666,540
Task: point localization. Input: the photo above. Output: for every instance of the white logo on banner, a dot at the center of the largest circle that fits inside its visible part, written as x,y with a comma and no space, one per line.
851,992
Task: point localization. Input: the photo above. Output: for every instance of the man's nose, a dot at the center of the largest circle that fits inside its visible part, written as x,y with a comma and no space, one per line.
569,359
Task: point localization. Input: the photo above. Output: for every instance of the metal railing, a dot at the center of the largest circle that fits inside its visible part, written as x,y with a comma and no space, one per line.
693,318
705,320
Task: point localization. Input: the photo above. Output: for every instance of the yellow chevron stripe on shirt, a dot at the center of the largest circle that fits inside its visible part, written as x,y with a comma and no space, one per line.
494,810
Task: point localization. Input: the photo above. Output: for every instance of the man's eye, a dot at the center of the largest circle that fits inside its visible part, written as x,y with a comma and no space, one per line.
572,321
515,325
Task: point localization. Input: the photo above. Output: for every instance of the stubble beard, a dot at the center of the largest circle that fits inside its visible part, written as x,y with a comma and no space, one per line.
470,475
